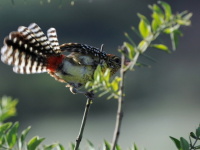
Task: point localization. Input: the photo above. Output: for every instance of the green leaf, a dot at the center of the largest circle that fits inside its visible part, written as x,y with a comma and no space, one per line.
174,39
107,145
176,142
50,147
142,46
167,9
157,12
97,72
23,136
158,17
118,147
3,130
144,26
115,83
183,22
91,146
61,147
135,147
184,144
131,50
34,143
198,132
161,47
72,146
24,133
106,75
8,106
88,84
193,135
184,18
155,24
5,126
11,135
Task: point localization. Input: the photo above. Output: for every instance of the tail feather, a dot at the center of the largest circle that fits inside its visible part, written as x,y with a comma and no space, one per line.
39,35
27,50
52,36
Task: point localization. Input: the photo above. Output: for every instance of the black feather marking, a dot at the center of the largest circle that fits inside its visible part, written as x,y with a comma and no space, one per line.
83,49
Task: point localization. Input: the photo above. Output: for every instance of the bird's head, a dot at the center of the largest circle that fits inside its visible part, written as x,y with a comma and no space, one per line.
113,63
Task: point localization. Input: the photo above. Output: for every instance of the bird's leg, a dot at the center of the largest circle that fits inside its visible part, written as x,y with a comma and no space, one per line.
74,89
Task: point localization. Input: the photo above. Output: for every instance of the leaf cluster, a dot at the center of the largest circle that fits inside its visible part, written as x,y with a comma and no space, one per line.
103,84
191,144
7,108
9,137
163,21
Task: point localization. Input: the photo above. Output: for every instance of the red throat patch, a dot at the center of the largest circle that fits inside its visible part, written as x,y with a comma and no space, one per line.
53,62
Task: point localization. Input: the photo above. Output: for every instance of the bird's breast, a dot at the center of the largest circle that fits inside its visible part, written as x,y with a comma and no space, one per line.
73,72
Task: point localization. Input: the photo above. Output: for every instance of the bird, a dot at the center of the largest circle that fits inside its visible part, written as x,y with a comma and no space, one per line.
30,51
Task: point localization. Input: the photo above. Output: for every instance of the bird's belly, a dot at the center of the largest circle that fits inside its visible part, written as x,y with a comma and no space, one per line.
76,74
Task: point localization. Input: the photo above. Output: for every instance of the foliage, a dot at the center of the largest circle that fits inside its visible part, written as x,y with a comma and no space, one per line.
102,83
9,137
7,108
162,22
184,144
11,140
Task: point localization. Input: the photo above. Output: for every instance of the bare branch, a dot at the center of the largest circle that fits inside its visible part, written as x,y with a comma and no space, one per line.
80,135
120,102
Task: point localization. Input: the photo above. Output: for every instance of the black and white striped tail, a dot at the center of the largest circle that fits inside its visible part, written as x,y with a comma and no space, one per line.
28,48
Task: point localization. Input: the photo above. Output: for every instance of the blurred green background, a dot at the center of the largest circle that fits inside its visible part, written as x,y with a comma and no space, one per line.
160,101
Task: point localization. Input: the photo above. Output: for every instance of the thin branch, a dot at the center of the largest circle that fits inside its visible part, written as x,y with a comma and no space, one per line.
193,145
119,110
80,135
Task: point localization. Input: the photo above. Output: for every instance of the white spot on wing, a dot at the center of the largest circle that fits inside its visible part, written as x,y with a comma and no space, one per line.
31,49
15,40
20,43
25,46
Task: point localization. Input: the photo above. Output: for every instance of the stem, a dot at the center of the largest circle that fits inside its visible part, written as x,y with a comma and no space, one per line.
119,110
192,147
80,135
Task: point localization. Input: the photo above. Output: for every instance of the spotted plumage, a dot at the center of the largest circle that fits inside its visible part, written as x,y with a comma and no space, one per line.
28,50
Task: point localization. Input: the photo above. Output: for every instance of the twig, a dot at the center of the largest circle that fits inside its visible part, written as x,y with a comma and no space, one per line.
119,110
193,145
79,138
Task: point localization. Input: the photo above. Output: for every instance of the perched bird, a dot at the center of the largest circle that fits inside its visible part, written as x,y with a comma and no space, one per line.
29,51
